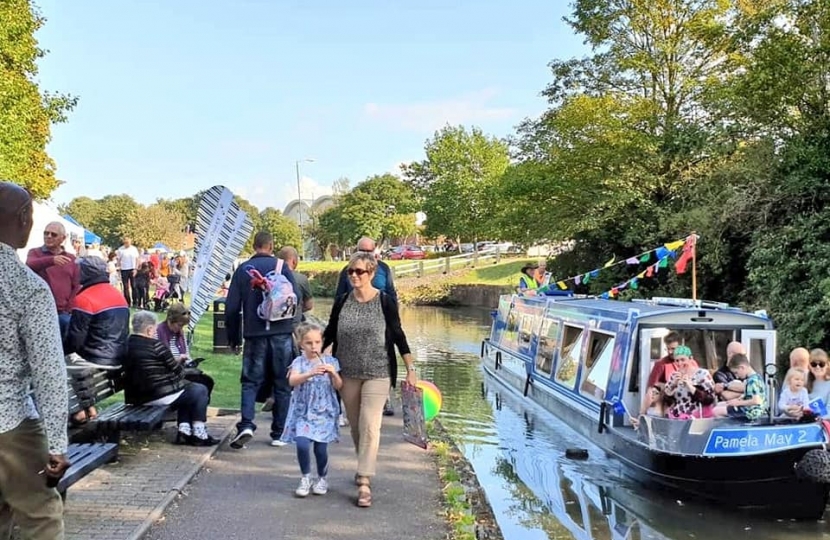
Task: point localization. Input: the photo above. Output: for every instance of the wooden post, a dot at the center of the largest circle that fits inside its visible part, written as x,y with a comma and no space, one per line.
446,265
498,255
421,268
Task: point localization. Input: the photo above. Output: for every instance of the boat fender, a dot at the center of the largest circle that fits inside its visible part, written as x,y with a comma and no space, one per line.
814,466
576,453
498,359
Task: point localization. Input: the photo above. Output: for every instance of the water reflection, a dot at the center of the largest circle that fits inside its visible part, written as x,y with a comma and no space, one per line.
517,450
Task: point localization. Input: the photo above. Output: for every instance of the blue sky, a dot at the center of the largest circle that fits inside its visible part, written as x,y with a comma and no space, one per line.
177,96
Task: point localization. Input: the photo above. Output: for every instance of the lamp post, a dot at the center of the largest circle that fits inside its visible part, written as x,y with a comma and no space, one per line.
300,205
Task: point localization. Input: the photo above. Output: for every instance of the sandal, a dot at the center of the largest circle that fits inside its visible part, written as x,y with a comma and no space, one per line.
364,496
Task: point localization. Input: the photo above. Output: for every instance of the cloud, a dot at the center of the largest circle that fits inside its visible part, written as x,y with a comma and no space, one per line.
428,116
265,192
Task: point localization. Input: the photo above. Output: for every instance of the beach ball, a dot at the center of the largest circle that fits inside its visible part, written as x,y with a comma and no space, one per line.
432,399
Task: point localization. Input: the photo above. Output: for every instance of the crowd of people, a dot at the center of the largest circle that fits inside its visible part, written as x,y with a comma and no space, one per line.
61,314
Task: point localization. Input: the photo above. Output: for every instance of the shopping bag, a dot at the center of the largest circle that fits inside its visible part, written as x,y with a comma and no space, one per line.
414,425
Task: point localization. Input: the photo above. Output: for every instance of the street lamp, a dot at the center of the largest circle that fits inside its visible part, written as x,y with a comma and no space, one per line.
300,205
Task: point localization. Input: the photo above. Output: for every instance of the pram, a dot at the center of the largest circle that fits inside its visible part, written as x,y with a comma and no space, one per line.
161,298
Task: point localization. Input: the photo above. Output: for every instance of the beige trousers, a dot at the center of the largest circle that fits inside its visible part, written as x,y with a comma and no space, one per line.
364,400
24,497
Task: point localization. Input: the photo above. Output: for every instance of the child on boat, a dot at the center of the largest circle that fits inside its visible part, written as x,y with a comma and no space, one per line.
794,397
314,407
656,407
752,404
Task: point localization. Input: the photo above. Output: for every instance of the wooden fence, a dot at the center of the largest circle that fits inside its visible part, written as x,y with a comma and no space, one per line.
445,265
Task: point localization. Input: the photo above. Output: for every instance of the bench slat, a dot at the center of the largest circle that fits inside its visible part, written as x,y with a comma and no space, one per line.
85,458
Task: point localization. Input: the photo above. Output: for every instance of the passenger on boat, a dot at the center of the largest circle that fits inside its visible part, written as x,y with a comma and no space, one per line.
656,407
753,403
527,281
726,385
794,397
663,368
800,359
692,388
818,381
541,275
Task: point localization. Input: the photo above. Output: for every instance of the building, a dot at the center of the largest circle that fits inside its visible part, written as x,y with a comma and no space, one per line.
303,210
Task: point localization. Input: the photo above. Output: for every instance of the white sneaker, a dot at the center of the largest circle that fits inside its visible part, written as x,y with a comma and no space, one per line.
342,422
278,443
321,487
304,487
242,438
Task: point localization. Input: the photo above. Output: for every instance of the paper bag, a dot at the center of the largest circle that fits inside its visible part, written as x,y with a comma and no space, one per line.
414,425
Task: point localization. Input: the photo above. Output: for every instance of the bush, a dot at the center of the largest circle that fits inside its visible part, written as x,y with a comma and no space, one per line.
323,283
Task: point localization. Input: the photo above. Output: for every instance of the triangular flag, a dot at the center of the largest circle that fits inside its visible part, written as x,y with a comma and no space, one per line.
674,246
661,252
642,274
604,296
561,285
635,283
645,257
612,293
586,279
632,260
611,262
577,280
594,273
650,271
664,262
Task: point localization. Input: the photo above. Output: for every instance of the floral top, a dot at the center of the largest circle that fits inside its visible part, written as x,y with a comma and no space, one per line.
685,401
314,406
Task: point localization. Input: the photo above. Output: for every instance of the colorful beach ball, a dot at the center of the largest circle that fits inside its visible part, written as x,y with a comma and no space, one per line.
432,399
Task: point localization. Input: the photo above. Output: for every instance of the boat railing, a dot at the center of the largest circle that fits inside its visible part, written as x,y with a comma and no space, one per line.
683,302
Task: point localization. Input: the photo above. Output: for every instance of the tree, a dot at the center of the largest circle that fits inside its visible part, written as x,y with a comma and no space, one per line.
284,230
155,223
83,210
457,180
115,218
26,114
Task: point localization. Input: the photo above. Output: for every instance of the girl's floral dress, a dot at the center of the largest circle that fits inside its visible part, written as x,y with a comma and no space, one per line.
314,406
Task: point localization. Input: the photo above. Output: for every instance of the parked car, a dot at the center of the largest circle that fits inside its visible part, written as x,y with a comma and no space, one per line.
407,252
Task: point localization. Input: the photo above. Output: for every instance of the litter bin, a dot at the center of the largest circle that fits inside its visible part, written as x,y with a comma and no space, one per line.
220,333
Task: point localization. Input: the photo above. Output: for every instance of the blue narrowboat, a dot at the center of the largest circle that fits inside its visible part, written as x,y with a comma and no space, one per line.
587,360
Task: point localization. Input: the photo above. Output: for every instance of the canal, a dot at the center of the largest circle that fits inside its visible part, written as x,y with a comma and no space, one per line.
518,453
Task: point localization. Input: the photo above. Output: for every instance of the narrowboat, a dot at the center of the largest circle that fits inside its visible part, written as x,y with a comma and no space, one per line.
586,360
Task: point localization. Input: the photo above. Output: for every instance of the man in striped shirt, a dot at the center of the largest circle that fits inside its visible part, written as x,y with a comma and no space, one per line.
33,439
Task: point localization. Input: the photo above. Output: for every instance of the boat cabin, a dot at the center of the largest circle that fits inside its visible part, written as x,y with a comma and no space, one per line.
597,350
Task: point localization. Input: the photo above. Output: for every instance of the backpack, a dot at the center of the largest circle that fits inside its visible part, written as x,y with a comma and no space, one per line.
279,302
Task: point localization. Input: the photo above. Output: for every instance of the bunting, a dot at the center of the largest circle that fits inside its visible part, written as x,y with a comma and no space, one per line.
660,254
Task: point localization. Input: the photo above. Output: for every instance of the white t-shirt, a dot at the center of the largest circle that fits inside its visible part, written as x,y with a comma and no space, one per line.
128,257
790,399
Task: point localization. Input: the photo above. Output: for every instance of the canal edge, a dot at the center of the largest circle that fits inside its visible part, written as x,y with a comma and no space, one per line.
466,505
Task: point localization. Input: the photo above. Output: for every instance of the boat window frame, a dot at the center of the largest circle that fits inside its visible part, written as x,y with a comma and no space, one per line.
560,356
584,370
554,351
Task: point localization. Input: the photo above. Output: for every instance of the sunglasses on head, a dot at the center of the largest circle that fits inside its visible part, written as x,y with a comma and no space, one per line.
818,364
356,271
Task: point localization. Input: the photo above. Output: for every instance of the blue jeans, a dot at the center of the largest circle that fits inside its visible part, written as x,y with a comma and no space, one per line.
192,404
321,455
258,352
63,323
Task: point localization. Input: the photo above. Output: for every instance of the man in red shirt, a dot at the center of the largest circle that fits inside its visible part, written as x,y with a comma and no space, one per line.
58,269
663,368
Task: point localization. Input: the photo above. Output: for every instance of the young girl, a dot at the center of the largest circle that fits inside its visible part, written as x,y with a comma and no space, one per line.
656,406
142,286
794,398
313,410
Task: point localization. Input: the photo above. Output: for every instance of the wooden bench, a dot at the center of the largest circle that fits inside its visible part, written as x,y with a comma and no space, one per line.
85,458
98,385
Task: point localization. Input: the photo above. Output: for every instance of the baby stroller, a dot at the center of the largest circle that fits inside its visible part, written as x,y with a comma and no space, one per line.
175,282
161,299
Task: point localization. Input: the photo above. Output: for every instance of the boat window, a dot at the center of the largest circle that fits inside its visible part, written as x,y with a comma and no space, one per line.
569,357
548,340
597,365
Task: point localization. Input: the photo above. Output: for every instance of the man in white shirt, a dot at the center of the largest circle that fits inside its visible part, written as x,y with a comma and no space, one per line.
33,442
128,262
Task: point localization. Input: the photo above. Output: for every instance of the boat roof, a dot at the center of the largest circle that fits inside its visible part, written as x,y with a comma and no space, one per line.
653,306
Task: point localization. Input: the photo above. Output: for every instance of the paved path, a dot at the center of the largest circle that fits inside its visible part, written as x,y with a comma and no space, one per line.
249,493
120,500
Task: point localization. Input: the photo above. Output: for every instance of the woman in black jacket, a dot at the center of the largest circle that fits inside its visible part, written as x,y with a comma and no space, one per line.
152,376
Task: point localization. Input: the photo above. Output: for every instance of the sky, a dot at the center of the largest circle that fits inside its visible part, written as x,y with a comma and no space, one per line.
178,96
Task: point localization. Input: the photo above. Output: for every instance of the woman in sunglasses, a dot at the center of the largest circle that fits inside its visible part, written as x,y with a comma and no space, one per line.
364,329
818,381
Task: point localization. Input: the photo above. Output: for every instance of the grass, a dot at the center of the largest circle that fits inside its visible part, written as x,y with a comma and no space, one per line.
333,266
224,368
504,273
458,510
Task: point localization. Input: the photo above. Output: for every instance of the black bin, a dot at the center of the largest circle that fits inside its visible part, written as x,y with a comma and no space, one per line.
220,333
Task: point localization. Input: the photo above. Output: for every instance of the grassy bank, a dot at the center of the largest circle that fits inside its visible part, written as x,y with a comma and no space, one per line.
439,289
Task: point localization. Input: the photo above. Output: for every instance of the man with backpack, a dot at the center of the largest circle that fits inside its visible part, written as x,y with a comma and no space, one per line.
264,290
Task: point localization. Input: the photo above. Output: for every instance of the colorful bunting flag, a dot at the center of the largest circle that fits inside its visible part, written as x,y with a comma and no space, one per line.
632,260
674,246
687,255
644,258
561,285
611,262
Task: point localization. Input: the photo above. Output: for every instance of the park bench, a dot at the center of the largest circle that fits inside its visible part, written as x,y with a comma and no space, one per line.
85,458
100,385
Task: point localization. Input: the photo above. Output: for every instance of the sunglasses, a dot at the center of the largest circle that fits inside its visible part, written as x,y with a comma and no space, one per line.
51,234
357,271
818,364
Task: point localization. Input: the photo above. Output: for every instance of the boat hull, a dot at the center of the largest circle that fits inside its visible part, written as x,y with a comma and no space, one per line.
765,482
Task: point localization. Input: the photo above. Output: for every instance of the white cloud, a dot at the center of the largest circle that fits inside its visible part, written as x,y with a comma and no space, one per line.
428,116
264,193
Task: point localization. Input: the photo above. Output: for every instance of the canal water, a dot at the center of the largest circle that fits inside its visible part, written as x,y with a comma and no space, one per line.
518,453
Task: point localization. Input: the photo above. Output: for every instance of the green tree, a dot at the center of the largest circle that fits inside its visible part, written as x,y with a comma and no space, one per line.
26,113
83,210
285,231
457,181
155,223
115,217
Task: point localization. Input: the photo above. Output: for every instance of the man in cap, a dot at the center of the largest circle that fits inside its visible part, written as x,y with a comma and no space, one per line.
33,442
